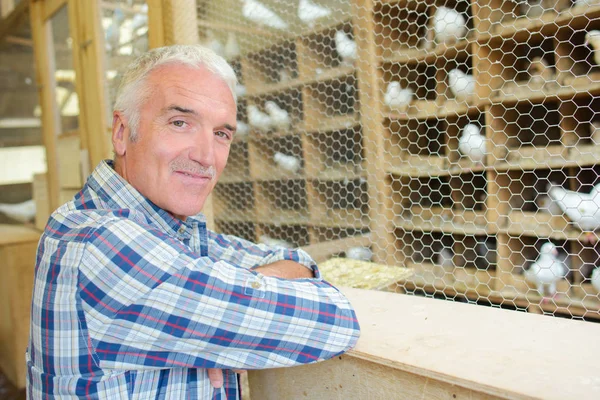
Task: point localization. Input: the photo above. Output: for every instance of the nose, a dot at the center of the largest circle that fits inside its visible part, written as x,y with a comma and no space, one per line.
203,149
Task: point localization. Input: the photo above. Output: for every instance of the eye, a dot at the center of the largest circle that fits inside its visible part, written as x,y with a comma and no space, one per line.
178,123
222,134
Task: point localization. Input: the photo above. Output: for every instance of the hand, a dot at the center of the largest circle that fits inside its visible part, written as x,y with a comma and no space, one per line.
216,376
285,269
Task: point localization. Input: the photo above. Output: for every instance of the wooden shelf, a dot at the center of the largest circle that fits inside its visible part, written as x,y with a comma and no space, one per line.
334,123
416,56
444,220
284,218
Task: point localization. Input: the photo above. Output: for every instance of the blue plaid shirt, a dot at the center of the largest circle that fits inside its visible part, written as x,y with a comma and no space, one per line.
131,303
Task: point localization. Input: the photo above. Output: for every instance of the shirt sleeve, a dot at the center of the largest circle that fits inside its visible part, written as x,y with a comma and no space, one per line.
147,301
251,255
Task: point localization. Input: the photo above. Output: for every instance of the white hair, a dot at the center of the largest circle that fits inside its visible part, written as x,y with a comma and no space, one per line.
134,90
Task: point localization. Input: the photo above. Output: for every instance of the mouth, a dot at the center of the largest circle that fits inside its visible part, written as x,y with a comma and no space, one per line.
194,177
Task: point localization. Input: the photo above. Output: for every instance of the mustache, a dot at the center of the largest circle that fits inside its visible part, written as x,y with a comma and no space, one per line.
192,167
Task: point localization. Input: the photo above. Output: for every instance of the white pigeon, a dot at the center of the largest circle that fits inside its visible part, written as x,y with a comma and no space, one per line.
309,12
260,14
232,48
258,119
280,118
461,84
359,253
449,26
592,38
269,241
547,270
583,209
240,90
113,32
22,212
595,131
596,279
242,129
472,144
396,97
288,163
213,43
140,19
345,47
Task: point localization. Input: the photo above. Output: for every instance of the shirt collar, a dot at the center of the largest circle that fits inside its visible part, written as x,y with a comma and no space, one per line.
119,194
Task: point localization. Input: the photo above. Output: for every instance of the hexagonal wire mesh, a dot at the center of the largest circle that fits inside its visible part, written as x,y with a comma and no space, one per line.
456,138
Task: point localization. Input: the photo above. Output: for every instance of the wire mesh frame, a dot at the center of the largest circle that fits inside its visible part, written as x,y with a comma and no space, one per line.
448,134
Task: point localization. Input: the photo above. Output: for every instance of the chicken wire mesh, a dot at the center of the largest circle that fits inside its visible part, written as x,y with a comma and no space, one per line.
456,138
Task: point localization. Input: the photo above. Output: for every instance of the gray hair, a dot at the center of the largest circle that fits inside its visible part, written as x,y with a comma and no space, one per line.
133,90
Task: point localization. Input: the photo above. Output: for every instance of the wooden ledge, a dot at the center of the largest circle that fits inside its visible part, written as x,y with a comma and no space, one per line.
414,347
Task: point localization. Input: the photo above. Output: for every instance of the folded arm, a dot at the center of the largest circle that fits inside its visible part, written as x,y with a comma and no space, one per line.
149,302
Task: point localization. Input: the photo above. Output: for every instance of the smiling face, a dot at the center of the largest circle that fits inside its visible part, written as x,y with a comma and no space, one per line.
186,128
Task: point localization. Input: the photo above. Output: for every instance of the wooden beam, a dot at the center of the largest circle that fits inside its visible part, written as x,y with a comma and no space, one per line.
19,40
180,22
88,53
51,7
12,21
156,31
44,65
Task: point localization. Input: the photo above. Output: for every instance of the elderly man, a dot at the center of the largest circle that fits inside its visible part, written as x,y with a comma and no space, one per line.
134,297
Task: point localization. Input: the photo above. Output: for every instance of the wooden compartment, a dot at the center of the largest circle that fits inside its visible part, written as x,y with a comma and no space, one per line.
18,246
238,164
262,157
289,100
574,59
294,234
282,202
342,203
271,69
469,193
234,202
417,144
318,57
581,129
400,28
421,78
527,135
335,155
244,230
330,99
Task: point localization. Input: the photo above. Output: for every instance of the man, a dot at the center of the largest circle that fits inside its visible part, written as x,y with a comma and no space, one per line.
133,297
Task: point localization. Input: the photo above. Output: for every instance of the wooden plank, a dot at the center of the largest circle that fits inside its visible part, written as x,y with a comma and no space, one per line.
11,22
51,7
16,286
348,377
435,344
180,22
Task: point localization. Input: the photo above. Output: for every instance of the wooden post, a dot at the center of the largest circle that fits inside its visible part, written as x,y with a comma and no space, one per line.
369,87
43,46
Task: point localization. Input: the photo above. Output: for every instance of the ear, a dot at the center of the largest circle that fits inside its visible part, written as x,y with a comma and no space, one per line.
120,133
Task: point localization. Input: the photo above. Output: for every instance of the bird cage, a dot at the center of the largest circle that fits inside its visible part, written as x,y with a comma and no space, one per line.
458,139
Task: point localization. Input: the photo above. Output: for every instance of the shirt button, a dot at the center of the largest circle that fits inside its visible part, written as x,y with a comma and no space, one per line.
255,285
181,230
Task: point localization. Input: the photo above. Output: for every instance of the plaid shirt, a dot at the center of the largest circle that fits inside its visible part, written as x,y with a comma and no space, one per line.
131,303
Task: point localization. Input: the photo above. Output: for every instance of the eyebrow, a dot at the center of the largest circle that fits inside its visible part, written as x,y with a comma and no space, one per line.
180,109
193,112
